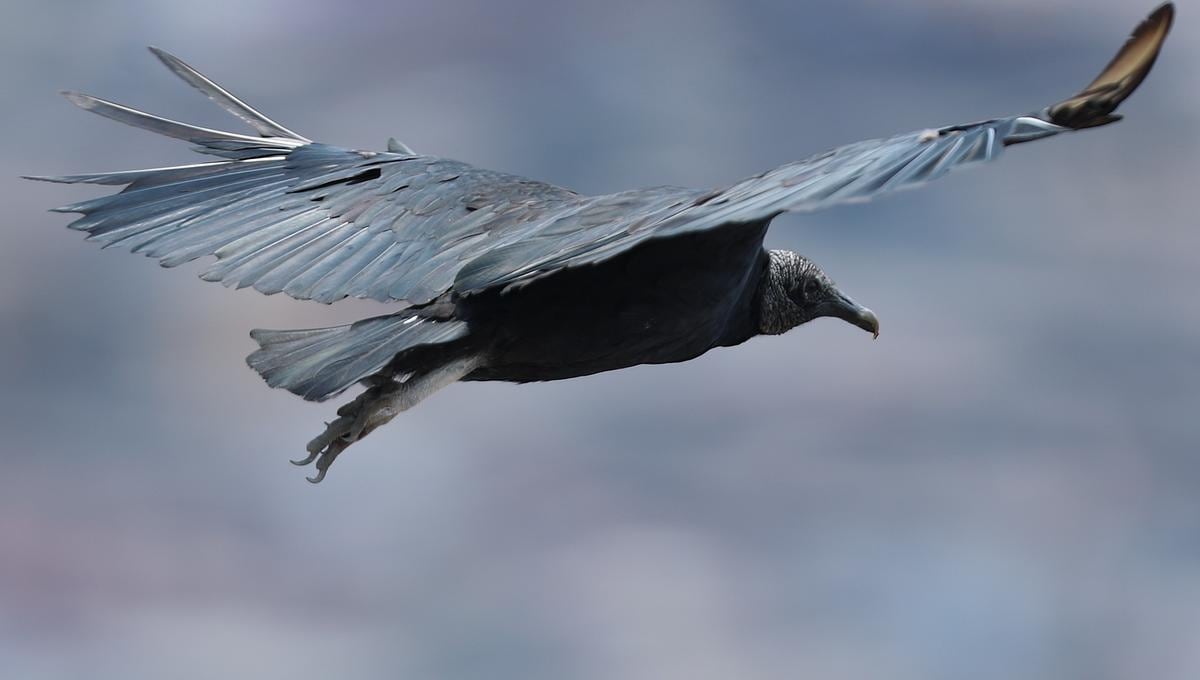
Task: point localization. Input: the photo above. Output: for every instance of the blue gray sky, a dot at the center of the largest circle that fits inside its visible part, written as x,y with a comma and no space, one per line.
1004,485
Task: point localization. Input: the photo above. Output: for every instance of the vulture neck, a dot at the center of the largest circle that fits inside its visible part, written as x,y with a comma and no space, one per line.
745,317
777,313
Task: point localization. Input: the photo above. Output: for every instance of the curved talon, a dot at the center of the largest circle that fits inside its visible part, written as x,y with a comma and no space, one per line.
311,457
355,420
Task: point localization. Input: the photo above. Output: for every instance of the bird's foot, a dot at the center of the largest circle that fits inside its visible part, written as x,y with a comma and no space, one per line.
355,420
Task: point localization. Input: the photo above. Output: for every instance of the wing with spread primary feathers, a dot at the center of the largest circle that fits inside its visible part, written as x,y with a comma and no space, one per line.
315,221
284,214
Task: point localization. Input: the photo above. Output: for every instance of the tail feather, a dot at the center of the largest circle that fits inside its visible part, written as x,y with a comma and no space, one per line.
319,363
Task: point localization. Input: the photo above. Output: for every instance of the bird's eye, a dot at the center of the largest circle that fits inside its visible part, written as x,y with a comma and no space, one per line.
811,287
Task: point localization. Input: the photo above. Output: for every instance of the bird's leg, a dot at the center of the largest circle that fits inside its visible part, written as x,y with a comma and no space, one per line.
383,400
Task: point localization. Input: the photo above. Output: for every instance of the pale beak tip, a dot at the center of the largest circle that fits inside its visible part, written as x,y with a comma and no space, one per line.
870,322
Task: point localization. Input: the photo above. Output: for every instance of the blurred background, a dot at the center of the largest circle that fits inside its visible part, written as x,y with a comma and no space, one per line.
1005,485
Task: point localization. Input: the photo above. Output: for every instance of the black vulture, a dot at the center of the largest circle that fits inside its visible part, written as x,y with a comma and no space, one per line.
498,277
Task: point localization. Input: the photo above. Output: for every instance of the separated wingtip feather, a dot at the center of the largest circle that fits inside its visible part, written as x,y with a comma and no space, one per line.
1095,104
222,97
214,142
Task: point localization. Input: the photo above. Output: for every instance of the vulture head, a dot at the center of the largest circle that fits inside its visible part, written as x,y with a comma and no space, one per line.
796,291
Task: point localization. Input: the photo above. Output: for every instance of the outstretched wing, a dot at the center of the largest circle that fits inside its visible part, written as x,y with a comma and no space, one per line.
851,173
283,214
319,222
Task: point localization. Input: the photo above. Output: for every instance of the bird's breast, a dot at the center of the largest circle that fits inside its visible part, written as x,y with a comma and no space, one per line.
656,305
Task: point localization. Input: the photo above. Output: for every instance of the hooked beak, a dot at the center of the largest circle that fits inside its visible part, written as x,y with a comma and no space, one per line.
851,312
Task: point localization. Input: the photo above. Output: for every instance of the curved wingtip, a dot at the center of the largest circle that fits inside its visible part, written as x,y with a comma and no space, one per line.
1095,104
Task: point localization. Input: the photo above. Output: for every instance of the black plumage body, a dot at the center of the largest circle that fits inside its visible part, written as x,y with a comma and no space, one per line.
661,302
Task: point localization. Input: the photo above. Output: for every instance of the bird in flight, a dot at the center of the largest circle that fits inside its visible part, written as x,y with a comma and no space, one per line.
498,277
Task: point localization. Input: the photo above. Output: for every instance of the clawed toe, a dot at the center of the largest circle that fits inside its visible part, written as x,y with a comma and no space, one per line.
355,420
312,455
326,447
384,398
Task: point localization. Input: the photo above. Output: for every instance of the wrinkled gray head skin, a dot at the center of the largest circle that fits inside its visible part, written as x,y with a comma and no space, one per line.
797,291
